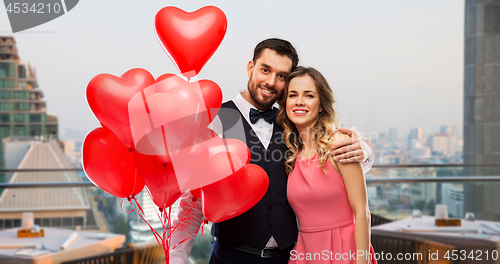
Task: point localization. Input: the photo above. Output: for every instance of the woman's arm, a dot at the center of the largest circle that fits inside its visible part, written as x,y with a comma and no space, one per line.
354,180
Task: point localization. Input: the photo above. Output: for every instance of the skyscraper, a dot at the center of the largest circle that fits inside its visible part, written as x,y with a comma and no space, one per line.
393,135
415,133
482,104
482,82
23,113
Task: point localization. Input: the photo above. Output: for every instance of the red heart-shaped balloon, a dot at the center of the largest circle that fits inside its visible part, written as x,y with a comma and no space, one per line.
160,179
234,195
190,39
110,165
108,97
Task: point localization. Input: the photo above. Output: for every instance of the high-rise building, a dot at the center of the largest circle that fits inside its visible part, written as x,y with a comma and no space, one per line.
23,113
382,140
482,104
453,197
481,82
443,143
415,134
419,152
444,129
393,135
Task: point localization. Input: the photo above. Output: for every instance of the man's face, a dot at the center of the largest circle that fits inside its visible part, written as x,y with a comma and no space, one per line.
267,79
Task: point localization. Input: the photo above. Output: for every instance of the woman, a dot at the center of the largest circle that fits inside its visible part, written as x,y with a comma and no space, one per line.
328,198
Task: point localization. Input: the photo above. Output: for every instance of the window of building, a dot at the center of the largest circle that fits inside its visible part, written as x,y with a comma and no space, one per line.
51,130
6,69
9,83
78,221
33,96
5,106
19,130
21,71
67,221
4,94
6,83
21,107
4,131
8,223
45,222
38,221
21,95
19,118
17,222
35,130
4,118
55,222
35,118
21,84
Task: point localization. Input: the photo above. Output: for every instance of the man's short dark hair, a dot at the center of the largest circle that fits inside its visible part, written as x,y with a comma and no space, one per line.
281,46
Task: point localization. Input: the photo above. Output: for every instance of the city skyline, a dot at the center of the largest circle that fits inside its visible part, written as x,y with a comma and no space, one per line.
387,65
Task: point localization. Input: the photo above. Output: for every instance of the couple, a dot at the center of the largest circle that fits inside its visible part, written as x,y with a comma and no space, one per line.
327,197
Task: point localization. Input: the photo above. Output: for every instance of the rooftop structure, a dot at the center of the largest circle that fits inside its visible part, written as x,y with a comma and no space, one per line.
55,207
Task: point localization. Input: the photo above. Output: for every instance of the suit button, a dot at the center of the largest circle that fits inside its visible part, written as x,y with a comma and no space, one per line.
270,190
270,208
272,225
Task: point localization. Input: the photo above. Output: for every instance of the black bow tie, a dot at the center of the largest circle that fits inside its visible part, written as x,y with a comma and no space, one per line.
269,115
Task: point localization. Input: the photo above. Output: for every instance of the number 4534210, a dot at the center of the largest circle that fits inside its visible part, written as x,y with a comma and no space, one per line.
38,8
472,255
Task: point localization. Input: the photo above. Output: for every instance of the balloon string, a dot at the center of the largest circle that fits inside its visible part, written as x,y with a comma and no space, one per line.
184,218
204,222
156,235
121,206
138,205
170,234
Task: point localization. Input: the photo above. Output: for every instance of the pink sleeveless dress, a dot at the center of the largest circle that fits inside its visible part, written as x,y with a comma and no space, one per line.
326,221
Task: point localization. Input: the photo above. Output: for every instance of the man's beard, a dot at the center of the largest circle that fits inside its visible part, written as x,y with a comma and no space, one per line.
254,95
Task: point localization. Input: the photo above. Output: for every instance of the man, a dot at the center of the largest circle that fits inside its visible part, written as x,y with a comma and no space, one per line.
268,231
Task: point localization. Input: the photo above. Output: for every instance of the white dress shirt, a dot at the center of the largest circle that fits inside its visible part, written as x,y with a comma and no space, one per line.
262,128
188,227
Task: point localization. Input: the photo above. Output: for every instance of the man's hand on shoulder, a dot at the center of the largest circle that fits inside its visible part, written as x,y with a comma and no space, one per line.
346,147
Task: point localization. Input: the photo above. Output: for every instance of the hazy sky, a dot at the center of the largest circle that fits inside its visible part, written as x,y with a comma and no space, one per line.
390,63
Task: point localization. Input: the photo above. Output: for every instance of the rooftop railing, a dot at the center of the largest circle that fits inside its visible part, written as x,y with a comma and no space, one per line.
394,192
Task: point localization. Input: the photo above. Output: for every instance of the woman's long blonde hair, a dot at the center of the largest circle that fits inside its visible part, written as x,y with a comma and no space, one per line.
324,127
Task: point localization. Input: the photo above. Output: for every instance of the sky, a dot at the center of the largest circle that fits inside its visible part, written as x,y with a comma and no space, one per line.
390,63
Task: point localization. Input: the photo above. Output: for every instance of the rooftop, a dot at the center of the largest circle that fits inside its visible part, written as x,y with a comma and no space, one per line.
44,155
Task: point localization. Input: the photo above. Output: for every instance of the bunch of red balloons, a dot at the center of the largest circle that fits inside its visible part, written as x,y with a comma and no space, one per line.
155,131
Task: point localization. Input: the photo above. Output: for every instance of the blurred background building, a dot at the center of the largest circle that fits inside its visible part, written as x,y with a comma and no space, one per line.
23,113
29,140
482,103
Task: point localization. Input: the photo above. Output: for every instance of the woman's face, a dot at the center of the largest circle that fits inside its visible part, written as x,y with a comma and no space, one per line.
302,103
